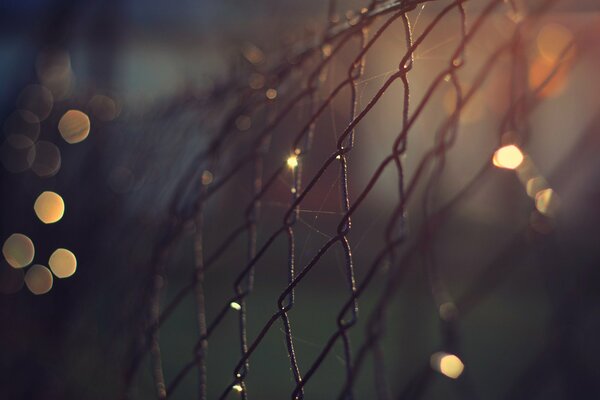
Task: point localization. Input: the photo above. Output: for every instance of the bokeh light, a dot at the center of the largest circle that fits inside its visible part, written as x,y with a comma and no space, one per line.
540,70
18,250
52,62
207,177
447,364
243,123
38,279
23,122
256,81
509,157
253,54
49,207
552,39
36,99
547,202
53,68
17,153
74,126
271,94
237,388
292,162
104,108
63,263
45,159
535,185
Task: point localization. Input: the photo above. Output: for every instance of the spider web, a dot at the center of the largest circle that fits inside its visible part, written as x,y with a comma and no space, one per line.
323,202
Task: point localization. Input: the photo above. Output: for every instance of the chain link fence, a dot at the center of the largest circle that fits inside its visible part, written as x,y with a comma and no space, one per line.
324,202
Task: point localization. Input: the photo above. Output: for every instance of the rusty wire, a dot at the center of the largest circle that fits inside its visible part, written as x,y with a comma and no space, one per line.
399,247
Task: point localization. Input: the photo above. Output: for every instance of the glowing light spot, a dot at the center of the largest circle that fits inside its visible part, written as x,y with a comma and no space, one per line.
38,279
447,364
235,306
292,162
63,263
451,366
352,18
509,157
256,81
535,185
243,123
44,158
271,94
253,54
18,250
36,99
23,122
74,126
104,108
540,70
49,207
207,177
515,16
552,40
237,388
338,157
547,202
293,190
326,50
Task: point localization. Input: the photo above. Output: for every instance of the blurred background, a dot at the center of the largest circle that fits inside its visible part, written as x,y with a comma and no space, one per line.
110,115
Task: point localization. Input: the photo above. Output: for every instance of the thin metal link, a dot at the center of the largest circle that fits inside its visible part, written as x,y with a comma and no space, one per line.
399,246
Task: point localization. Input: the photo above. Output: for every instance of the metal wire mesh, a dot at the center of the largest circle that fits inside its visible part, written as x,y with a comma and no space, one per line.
233,155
